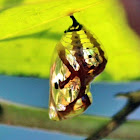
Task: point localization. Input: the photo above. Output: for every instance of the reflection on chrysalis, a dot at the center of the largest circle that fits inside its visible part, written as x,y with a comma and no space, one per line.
79,60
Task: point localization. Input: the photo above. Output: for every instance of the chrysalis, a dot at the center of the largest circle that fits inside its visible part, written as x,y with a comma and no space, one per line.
80,58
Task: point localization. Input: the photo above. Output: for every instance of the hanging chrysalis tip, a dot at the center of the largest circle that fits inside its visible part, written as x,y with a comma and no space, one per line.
75,26
75,23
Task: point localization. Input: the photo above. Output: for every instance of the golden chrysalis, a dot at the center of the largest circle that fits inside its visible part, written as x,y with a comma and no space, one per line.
80,58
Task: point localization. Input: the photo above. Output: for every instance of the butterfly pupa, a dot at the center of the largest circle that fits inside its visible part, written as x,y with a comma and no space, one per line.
79,60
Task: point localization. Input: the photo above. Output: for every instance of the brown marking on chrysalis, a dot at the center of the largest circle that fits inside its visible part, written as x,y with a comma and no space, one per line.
85,78
85,73
101,66
62,56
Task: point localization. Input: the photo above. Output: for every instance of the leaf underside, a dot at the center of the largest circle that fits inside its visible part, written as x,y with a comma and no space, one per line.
30,30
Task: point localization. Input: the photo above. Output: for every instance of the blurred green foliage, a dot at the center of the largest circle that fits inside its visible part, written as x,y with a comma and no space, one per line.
30,29
82,125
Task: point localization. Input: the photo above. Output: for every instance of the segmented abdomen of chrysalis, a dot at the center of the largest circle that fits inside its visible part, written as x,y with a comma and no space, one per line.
80,58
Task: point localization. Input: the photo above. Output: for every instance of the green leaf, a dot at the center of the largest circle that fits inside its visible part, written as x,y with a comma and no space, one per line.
30,29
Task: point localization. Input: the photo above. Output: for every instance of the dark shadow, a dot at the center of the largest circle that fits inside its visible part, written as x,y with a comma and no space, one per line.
10,4
134,79
45,34
21,74
105,76
1,111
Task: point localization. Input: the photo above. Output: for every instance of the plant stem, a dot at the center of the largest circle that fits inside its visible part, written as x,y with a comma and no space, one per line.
119,118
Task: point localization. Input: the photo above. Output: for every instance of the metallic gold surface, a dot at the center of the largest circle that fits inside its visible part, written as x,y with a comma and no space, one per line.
79,59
